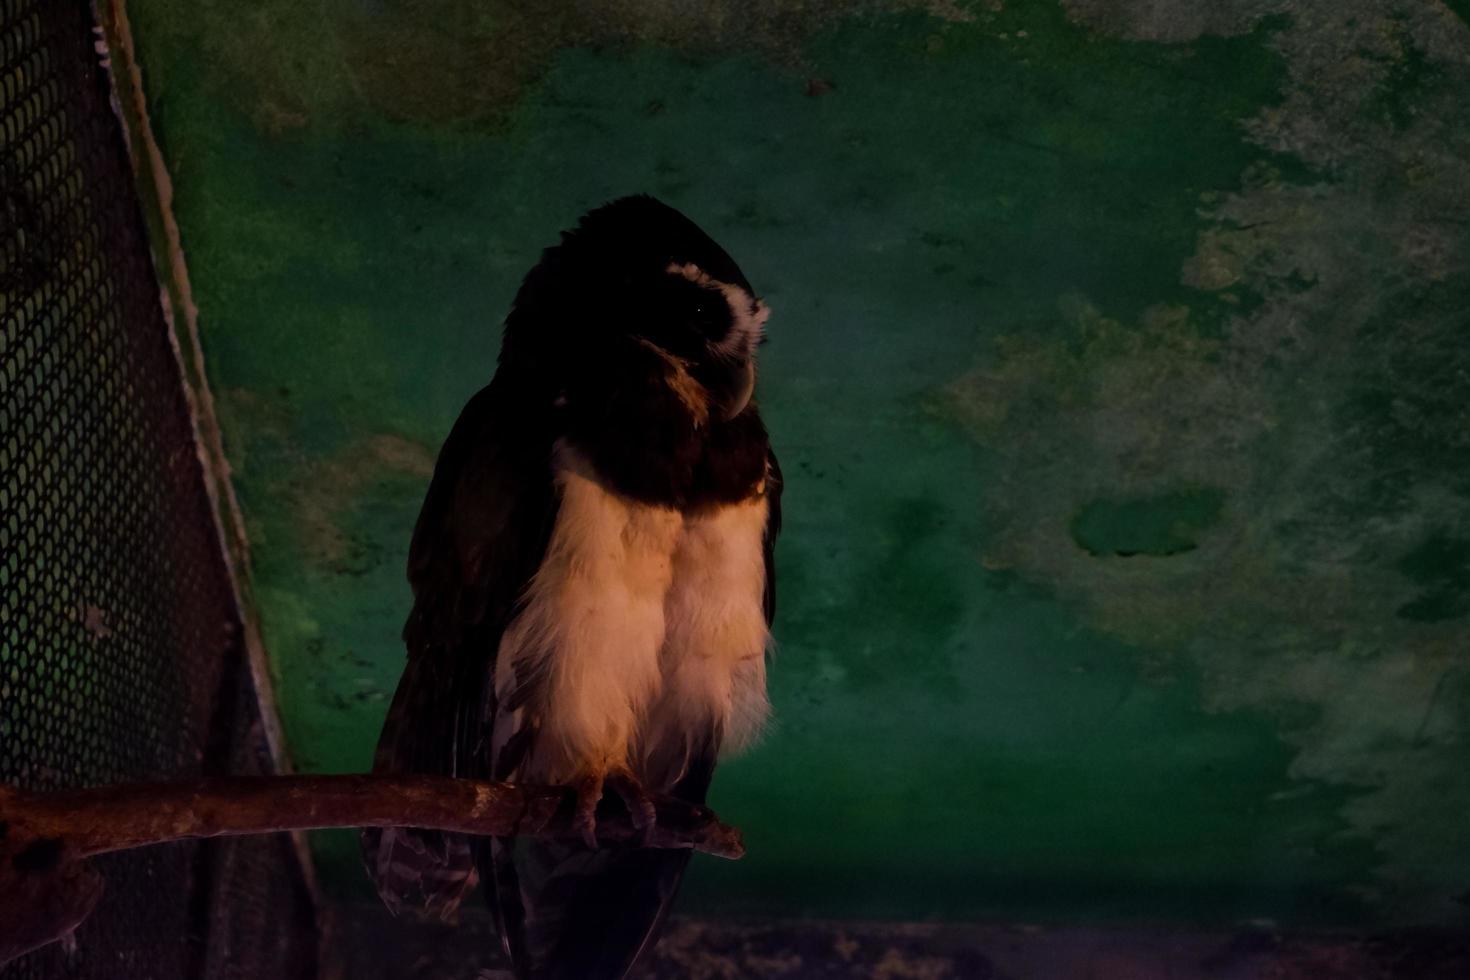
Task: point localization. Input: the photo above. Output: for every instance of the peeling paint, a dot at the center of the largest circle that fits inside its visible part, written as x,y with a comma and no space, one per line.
1332,412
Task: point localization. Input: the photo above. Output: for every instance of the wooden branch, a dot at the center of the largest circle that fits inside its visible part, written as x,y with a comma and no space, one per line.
47,889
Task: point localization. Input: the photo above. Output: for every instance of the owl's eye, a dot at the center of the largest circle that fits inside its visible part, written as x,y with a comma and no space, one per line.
705,313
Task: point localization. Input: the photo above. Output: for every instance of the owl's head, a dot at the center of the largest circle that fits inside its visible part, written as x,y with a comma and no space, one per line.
635,273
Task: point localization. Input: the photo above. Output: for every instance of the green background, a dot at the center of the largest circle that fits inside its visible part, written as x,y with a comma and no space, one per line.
1120,367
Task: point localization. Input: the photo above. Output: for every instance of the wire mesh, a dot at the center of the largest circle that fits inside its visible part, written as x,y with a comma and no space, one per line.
120,651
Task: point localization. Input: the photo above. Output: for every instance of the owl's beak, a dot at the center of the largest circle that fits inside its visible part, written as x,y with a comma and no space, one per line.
741,390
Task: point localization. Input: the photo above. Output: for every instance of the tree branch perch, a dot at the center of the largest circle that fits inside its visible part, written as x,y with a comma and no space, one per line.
47,888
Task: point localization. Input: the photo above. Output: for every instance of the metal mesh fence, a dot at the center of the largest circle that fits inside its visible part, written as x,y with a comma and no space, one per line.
120,652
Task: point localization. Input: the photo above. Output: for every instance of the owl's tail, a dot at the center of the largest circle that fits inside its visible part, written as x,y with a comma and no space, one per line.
581,914
569,912
433,728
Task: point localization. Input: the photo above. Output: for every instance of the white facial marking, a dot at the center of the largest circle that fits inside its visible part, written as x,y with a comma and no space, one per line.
749,314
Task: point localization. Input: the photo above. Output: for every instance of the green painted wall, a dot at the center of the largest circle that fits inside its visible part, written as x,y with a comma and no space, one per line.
1119,370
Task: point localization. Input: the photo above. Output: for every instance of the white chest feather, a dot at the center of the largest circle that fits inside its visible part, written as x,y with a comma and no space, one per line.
642,635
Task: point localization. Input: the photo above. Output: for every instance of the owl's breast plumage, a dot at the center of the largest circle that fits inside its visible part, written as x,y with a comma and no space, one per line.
641,638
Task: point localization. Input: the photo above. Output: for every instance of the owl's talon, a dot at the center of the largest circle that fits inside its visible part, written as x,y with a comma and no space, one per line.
590,793
640,805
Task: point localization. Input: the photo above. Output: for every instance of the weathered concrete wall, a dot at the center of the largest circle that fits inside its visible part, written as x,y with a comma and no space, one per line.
1119,370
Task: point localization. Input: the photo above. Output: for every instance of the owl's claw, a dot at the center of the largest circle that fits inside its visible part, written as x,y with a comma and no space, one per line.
640,805
590,792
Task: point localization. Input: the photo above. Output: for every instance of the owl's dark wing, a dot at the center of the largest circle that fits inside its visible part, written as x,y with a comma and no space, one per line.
480,536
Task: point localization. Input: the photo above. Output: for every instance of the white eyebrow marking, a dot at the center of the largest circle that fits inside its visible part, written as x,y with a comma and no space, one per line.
750,314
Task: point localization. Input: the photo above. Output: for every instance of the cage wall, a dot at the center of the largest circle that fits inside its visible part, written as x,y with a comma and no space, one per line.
120,640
